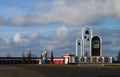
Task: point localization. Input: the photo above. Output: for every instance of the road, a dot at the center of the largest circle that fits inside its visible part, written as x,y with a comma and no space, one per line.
56,71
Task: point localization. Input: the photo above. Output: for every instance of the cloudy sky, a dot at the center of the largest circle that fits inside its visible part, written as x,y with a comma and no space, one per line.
56,24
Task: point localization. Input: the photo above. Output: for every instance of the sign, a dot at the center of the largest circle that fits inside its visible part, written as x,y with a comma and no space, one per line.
72,59
95,59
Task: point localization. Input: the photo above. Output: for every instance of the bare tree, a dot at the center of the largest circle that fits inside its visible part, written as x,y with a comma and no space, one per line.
23,57
29,57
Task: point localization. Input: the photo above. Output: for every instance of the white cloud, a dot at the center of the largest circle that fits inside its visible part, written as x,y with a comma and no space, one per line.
19,44
18,40
29,40
62,32
77,12
7,41
63,38
33,35
17,37
2,20
18,20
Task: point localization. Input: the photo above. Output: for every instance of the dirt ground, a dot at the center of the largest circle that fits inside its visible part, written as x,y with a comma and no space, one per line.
56,71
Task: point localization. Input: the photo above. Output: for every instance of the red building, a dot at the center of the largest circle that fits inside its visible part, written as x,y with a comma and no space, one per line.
66,59
57,60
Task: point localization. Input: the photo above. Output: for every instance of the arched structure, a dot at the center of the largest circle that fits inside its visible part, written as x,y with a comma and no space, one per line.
86,36
79,45
96,46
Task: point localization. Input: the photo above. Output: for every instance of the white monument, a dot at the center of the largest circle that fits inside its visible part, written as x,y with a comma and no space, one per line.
95,48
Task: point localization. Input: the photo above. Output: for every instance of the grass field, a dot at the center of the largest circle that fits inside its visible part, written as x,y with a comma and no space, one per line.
58,71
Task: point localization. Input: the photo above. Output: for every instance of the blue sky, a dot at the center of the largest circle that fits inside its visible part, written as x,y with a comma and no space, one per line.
56,24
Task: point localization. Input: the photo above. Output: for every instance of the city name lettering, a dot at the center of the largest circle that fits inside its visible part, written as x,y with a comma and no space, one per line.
95,59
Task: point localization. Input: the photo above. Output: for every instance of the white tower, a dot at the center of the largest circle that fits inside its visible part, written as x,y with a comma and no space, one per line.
79,45
86,36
